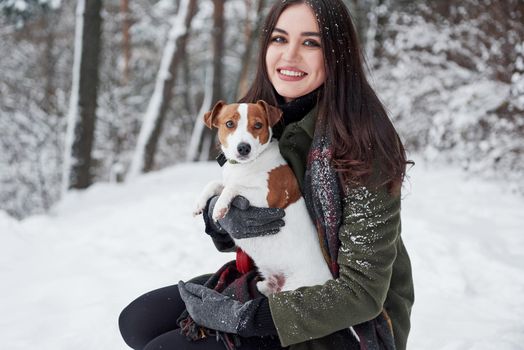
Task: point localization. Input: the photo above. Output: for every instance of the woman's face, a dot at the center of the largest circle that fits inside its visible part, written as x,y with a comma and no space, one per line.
294,58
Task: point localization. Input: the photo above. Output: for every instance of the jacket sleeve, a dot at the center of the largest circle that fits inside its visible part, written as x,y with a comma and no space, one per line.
368,235
220,238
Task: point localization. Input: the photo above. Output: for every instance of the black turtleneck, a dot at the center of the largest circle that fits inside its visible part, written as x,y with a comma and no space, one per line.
294,110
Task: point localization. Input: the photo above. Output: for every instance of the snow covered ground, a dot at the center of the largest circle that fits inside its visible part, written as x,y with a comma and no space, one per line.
66,276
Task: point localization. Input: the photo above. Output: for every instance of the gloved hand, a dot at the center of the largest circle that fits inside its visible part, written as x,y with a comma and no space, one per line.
213,310
245,221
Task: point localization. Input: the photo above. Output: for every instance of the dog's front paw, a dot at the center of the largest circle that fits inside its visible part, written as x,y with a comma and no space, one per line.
219,212
200,206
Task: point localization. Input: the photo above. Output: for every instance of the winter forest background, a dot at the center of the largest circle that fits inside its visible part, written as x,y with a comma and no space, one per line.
102,90
95,92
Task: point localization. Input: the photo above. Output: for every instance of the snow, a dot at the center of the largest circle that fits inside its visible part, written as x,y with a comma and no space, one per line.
465,241
67,275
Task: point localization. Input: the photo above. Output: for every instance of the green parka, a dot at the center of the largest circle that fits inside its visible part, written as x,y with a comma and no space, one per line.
375,270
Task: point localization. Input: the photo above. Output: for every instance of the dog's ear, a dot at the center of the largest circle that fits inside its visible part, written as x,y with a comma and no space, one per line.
273,113
210,116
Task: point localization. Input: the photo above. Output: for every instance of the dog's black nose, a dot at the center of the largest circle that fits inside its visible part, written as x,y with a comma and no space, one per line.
243,149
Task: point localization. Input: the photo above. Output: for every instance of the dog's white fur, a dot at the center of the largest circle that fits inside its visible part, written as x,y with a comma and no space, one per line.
292,256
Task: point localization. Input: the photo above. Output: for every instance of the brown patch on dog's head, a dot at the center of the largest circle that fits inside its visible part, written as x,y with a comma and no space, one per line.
224,118
259,122
210,116
273,113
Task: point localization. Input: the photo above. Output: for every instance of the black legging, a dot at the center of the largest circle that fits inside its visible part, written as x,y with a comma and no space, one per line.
149,323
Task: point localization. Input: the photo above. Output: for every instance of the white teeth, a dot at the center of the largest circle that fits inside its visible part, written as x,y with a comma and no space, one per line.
291,73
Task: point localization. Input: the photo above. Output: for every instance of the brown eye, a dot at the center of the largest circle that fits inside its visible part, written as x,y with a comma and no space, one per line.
230,124
258,125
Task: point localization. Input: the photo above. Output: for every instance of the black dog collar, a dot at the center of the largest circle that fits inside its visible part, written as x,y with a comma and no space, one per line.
221,159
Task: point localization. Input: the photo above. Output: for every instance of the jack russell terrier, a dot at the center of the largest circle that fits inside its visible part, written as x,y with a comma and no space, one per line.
292,258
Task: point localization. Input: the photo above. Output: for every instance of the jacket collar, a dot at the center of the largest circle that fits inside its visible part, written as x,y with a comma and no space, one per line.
308,122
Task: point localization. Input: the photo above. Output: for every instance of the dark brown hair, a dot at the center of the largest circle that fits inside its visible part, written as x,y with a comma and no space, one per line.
364,138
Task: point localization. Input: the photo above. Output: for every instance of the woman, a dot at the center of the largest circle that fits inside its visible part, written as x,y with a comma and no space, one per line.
350,164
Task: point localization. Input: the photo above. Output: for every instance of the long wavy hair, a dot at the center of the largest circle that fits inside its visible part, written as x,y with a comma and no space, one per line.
363,136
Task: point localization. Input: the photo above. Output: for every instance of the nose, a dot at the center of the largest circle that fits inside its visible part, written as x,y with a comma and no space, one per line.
243,149
291,52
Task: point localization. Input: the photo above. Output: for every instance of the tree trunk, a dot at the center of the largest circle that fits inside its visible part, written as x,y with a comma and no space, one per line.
207,147
193,150
81,124
143,160
49,62
517,75
376,29
218,48
126,38
251,31
359,16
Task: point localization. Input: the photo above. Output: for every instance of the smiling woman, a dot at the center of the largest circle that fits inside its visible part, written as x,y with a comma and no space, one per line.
294,58
349,163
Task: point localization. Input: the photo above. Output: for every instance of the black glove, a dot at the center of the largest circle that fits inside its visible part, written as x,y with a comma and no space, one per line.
245,221
213,310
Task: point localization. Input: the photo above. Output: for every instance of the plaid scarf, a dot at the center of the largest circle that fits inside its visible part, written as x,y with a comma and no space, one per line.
322,195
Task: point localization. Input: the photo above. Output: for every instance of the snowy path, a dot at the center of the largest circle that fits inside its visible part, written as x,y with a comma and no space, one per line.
66,276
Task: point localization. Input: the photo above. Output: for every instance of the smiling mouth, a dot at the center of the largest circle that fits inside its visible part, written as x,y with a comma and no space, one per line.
291,73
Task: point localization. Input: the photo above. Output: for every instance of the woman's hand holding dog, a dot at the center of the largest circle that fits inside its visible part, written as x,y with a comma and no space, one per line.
213,310
245,221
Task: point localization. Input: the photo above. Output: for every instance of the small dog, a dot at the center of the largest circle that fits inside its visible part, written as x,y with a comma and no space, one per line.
256,170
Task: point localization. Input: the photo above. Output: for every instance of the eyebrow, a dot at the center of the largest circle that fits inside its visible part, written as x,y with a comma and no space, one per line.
303,33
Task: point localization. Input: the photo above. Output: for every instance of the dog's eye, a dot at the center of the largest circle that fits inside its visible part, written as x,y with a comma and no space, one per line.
258,125
230,124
